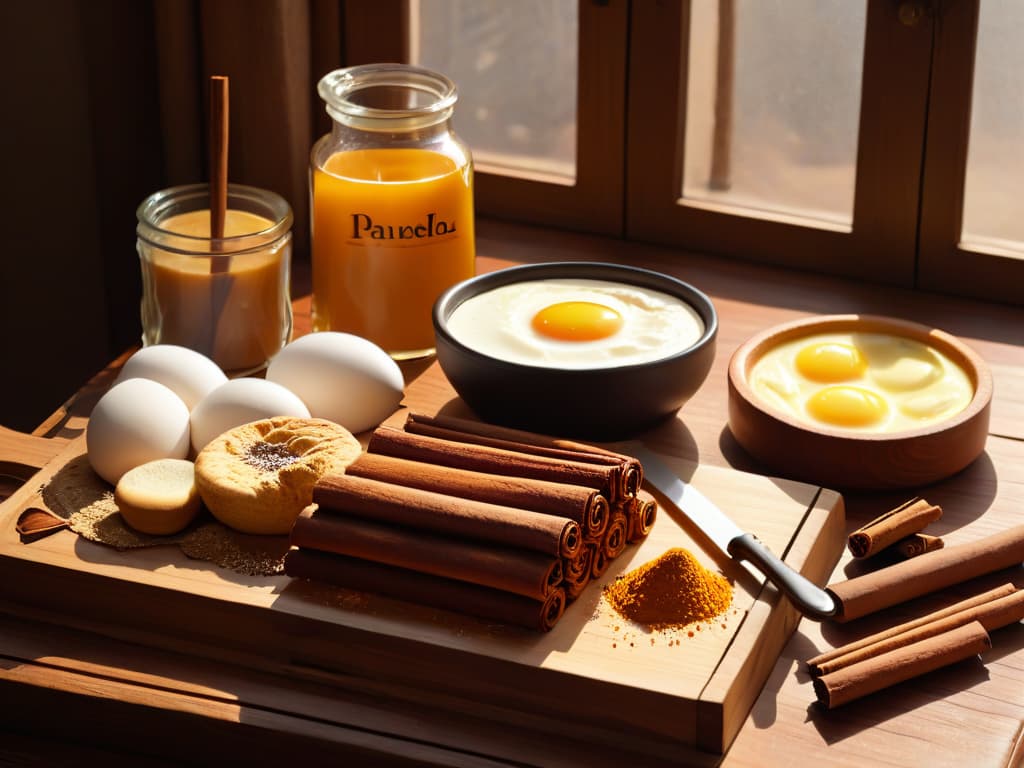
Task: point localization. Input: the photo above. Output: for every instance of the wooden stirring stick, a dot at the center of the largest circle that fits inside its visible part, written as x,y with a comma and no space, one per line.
218,165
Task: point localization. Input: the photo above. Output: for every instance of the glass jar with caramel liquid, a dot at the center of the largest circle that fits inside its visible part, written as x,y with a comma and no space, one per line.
392,205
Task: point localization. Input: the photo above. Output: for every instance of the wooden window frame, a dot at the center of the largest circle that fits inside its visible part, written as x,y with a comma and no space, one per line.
880,244
594,202
945,265
911,151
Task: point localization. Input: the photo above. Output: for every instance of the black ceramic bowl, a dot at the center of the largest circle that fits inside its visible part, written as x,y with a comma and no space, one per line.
610,403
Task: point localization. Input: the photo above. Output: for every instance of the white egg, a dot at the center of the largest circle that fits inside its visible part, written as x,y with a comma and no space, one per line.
136,421
340,377
187,373
238,402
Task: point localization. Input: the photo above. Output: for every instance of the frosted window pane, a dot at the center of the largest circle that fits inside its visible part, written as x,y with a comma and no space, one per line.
515,66
994,186
795,107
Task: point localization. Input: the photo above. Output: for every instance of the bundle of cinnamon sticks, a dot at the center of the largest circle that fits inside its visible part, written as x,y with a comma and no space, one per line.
500,523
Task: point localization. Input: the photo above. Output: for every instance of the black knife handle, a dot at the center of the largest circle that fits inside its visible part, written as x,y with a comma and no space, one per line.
812,601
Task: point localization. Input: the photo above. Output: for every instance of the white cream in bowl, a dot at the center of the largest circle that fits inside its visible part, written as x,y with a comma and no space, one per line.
576,324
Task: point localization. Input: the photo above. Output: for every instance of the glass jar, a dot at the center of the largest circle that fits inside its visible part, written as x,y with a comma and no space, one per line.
392,205
228,297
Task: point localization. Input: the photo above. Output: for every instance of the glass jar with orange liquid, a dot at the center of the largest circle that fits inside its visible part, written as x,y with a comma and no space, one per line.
392,205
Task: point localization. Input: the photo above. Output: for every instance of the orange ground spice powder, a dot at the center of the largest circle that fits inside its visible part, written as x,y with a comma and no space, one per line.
671,591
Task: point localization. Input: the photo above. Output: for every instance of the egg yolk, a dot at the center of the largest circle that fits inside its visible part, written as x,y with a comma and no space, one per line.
830,362
577,321
847,406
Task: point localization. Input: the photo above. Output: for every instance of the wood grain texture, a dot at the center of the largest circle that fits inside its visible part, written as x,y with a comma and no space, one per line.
969,714
161,597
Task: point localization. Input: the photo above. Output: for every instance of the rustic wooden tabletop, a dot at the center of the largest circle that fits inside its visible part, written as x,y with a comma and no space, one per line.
70,693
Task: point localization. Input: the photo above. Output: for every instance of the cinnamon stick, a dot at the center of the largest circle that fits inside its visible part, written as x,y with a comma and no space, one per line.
535,439
614,540
917,544
448,515
993,614
885,530
641,513
446,594
584,505
577,572
961,605
482,458
926,573
479,433
874,674
599,561
512,570
218,164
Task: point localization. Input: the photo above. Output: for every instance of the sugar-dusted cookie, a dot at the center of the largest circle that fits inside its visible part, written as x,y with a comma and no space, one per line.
257,478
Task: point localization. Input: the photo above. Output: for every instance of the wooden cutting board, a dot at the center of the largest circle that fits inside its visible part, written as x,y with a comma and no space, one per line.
596,678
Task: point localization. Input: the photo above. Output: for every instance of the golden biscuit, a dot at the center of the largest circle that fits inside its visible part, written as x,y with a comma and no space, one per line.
158,497
258,477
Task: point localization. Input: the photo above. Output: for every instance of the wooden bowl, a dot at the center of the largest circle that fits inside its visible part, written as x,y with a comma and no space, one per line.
841,458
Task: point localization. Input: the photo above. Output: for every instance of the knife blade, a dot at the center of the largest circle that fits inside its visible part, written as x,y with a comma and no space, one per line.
812,601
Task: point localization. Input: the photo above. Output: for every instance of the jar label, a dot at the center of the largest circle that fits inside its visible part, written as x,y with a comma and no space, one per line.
363,226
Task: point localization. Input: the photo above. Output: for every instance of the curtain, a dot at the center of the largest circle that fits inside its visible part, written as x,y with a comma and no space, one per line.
273,52
107,103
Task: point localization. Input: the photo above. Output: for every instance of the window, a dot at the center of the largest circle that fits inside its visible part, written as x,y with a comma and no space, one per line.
862,139
517,88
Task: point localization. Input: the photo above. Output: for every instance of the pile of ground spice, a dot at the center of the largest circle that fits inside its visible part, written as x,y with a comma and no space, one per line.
671,591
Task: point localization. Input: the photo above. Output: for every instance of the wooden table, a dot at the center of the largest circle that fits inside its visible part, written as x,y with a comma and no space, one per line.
74,695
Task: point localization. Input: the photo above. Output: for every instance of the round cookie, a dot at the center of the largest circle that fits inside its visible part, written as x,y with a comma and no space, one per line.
159,497
258,477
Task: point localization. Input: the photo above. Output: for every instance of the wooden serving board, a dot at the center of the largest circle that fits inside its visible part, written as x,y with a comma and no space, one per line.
594,678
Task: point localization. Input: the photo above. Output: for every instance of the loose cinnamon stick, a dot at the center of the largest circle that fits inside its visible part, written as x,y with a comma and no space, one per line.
641,513
926,573
962,605
512,570
885,530
447,515
433,591
874,674
479,433
994,614
482,458
917,544
584,505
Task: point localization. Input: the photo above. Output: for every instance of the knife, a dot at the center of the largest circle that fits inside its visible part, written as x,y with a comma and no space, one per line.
812,601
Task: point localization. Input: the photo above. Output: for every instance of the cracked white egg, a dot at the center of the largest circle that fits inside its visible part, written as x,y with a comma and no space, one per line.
868,382
576,324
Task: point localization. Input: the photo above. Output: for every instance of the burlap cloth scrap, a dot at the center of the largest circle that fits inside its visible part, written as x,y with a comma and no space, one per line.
80,496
